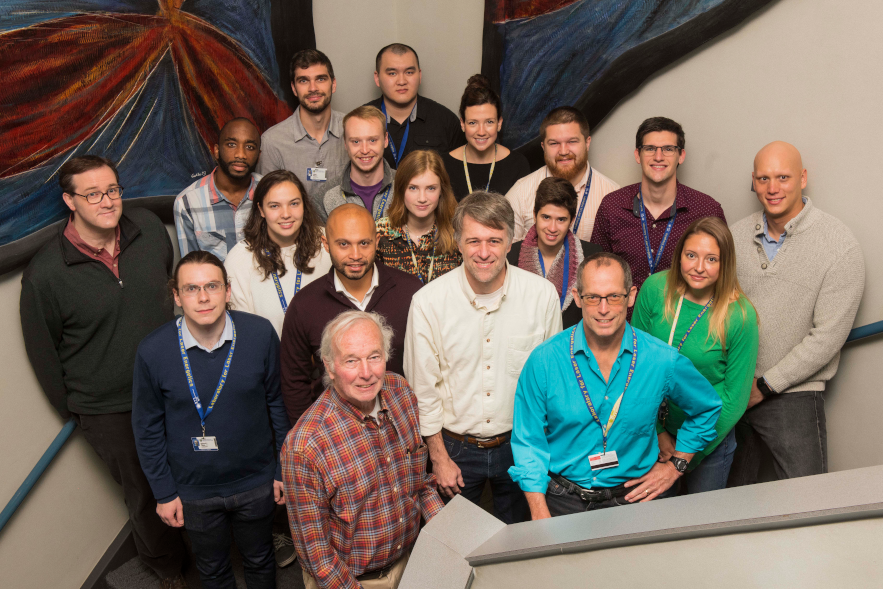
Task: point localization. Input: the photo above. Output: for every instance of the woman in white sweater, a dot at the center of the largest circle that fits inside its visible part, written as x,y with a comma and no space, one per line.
282,250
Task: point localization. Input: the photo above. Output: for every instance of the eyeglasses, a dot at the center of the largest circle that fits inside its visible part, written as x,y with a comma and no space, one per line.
666,149
210,288
614,300
93,198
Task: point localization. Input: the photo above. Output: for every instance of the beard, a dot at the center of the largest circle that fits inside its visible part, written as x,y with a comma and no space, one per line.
317,108
569,173
225,166
342,269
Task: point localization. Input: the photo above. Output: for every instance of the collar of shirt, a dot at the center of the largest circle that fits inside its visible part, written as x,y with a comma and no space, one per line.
190,341
217,195
423,244
335,127
581,345
346,182
413,116
765,233
375,281
681,203
350,409
470,294
73,236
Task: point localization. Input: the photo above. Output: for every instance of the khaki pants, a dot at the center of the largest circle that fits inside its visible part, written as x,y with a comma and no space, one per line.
388,581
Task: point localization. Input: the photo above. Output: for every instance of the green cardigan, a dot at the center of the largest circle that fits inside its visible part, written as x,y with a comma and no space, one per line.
730,372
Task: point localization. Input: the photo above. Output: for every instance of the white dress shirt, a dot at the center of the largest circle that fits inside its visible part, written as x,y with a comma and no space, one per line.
363,304
523,195
463,359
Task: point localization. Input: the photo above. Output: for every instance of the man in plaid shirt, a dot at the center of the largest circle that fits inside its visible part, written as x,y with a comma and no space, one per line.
354,466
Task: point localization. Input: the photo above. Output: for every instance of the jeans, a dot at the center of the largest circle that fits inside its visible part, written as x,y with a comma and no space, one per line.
250,517
160,547
792,426
712,472
478,465
561,502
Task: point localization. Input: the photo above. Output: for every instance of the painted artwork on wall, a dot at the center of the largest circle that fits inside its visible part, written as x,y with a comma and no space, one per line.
146,83
589,53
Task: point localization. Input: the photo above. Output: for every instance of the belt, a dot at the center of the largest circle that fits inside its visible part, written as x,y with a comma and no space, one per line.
376,574
590,495
480,442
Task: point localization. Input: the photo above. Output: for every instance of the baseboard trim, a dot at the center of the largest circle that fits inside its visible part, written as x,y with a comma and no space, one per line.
120,551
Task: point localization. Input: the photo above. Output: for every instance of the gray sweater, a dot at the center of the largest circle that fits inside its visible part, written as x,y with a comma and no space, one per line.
806,298
343,192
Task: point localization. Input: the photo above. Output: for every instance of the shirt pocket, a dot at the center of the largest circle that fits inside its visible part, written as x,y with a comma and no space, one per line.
519,349
213,241
417,460
425,141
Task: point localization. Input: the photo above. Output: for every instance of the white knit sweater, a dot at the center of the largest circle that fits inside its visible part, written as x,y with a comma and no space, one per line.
806,298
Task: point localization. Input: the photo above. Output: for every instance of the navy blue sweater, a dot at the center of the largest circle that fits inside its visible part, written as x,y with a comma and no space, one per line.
244,420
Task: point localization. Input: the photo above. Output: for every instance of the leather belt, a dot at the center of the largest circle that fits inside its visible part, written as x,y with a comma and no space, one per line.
480,442
590,495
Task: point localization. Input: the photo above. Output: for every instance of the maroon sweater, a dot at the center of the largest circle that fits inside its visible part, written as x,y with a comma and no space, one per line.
312,308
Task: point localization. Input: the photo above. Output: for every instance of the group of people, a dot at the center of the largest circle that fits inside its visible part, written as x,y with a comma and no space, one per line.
371,327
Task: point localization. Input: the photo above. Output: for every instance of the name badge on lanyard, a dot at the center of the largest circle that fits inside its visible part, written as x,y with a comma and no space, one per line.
317,174
651,261
204,443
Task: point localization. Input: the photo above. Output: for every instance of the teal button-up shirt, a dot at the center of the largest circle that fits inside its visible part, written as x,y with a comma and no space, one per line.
553,430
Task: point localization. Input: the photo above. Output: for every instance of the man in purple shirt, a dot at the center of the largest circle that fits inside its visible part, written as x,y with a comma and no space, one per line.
643,222
367,180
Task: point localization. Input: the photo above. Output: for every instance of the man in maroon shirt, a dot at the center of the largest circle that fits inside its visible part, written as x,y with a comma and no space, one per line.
643,222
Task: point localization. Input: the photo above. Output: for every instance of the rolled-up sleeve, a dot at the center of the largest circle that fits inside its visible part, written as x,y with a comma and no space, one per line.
701,404
530,448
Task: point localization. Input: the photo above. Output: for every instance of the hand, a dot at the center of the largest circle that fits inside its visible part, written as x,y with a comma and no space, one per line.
666,446
651,485
756,396
171,513
279,492
448,475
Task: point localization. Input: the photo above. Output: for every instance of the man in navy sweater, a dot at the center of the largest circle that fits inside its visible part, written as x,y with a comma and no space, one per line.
204,386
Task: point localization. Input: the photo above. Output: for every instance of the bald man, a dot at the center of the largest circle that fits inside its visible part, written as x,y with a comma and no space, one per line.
210,214
805,274
355,281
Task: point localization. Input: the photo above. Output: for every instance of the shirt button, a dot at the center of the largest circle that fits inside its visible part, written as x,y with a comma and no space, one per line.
387,458
488,394
488,420
760,249
757,226
400,520
763,266
399,547
606,398
490,367
488,339
395,488
654,225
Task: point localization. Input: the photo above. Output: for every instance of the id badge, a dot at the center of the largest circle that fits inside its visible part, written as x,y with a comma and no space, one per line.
602,461
317,174
205,444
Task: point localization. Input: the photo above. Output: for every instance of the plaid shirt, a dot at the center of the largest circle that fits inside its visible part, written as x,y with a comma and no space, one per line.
355,487
206,220
394,250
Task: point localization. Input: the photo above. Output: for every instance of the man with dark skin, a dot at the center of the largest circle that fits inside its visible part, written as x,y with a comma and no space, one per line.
210,214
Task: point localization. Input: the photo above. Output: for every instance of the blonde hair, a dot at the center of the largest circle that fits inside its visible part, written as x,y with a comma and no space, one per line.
366,113
726,287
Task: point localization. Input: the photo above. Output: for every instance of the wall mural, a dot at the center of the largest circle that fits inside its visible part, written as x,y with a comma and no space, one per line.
588,53
146,83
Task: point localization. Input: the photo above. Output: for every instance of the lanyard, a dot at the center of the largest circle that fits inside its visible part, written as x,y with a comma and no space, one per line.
605,431
671,336
566,269
647,249
466,169
279,292
379,212
397,155
414,256
579,214
203,414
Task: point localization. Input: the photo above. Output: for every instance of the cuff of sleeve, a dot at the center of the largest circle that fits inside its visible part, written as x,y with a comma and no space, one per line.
776,380
430,425
689,443
535,483
168,499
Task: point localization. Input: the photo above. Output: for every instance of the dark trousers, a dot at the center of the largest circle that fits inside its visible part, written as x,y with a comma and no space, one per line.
159,546
792,426
561,502
479,465
249,515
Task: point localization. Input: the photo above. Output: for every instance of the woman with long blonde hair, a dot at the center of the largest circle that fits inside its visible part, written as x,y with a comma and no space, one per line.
417,237
698,307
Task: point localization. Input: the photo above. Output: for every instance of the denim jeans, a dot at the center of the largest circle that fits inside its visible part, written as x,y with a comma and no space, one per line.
712,472
792,426
479,465
249,515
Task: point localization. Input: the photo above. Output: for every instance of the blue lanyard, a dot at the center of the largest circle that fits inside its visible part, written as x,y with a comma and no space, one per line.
379,212
566,269
579,214
204,413
647,249
605,430
396,155
279,292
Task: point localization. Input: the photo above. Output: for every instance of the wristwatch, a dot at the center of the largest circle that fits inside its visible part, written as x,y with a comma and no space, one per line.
764,388
679,463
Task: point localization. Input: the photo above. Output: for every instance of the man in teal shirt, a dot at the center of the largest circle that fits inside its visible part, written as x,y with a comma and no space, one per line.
584,434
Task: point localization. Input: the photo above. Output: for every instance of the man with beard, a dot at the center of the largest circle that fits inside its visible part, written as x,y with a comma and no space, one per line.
210,214
469,333
354,282
643,222
367,179
309,143
565,138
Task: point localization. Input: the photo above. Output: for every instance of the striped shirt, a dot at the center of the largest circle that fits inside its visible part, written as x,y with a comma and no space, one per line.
206,220
394,250
355,487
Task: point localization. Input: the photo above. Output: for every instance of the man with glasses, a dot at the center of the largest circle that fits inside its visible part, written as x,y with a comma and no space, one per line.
584,434
88,298
643,222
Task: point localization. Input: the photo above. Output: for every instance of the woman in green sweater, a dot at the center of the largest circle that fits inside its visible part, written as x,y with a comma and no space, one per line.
698,307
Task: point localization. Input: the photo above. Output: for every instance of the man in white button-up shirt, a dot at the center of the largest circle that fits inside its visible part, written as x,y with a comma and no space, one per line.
469,334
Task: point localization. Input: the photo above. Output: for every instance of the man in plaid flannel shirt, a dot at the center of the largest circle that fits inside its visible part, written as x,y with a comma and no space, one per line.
354,466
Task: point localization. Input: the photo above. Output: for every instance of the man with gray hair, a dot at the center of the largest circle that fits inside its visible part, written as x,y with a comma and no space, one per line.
354,464
469,333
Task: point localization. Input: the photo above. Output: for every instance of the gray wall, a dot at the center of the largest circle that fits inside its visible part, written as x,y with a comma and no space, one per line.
803,71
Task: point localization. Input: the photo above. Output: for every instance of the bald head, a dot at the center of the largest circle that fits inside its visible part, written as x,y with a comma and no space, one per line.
351,240
350,219
779,179
780,152
237,151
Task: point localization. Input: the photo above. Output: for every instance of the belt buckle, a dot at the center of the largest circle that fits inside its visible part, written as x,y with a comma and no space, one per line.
479,444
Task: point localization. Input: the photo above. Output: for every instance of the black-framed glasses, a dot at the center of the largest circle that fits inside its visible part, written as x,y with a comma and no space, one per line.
614,300
95,197
666,149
